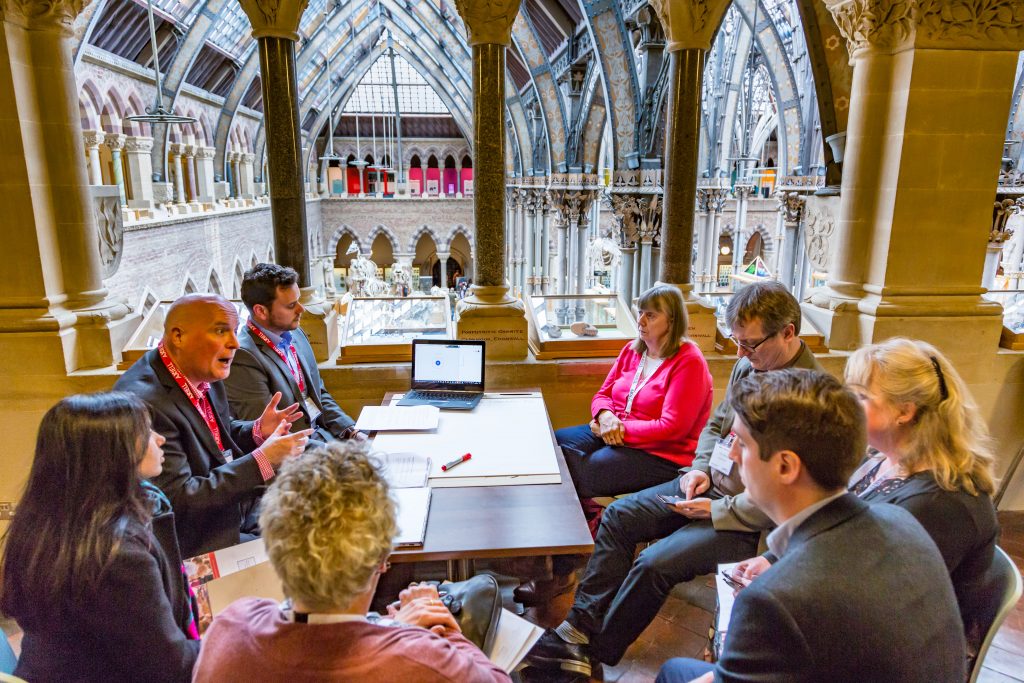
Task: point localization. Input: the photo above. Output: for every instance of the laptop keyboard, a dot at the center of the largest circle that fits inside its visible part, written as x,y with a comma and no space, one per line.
436,395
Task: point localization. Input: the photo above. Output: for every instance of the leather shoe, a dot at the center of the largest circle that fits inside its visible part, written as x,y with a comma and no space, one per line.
534,593
551,652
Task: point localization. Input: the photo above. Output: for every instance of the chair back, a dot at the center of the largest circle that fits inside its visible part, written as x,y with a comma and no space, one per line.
1007,585
7,658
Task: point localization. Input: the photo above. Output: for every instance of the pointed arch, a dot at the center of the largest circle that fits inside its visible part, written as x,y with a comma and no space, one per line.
460,230
423,230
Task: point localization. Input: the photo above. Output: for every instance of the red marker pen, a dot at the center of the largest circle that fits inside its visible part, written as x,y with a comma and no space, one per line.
453,463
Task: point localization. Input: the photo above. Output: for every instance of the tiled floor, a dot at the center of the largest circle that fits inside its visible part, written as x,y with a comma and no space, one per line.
680,629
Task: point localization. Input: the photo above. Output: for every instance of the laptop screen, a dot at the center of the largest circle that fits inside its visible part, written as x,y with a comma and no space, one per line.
447,364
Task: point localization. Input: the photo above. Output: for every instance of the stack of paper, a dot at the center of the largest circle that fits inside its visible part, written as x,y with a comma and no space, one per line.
413,507
514,639
398,418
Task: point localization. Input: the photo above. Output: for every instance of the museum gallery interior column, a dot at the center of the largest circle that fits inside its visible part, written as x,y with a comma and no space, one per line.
489,313
275,28
55,315
930,93
689,27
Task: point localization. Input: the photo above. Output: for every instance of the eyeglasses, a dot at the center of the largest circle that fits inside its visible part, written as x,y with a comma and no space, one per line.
750,348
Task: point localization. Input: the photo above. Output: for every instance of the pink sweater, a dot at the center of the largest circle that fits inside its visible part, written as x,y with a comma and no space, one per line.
253,641
670,410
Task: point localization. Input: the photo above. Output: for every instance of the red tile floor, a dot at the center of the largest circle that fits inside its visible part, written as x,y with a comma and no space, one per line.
681,628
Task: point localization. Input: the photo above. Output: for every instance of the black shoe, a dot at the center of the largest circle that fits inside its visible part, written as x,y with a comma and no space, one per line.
536,592
551,652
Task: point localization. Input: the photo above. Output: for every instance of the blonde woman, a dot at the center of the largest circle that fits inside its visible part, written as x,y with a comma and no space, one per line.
930,454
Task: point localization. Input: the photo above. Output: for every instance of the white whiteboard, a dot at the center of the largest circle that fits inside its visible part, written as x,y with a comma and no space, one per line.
508,435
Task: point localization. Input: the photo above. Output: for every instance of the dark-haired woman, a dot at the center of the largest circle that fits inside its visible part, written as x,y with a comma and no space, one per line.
91,569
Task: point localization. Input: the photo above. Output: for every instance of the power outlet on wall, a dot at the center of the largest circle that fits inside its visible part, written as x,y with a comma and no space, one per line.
6,511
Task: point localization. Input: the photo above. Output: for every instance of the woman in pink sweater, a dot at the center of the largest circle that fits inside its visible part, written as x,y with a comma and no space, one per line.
650,410
328,522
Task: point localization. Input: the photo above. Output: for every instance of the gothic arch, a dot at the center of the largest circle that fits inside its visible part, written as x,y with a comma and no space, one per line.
339,232
423,230
458,230
387,232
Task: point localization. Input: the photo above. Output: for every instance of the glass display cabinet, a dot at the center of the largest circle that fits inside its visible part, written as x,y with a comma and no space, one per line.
1012,301
814,339
149,332
381,329
579,325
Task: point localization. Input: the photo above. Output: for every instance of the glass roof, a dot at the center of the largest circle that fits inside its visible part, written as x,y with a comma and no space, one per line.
374,93
176,9
233,31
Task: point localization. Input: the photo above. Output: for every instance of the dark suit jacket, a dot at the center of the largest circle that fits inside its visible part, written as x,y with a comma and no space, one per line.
214,500
257,372
861,594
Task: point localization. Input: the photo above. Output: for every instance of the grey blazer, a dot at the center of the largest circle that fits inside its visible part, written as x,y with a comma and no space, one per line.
257,372
861,594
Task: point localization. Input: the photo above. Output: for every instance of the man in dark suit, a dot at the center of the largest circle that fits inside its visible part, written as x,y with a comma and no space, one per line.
860,593
275,356
214,467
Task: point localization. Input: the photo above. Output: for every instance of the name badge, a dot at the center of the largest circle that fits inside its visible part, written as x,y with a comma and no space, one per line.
312,410
720,456
228,455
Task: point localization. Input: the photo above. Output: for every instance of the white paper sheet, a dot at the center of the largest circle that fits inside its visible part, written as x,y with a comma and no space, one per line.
514,638
398,418
404,470
725,597
413,507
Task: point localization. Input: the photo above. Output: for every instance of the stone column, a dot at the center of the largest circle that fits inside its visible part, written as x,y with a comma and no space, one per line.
529,243
92,139
179,181
787,247
489,313
544,252
204,174
116,143
248,176
55,315
189,162
140,171
742,193
997,238
275,28
716,203
702,228
925,135
442,257
689,28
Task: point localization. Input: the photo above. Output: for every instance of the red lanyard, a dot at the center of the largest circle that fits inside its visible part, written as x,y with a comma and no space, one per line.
201,402
266,340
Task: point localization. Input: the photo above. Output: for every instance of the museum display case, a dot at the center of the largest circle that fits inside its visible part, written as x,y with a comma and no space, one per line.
578,325
381,329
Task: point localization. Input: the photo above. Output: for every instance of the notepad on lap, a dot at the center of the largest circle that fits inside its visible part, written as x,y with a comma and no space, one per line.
413,506
514,638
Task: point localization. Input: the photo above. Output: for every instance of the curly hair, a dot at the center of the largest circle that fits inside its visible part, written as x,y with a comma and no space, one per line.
949,436
328,522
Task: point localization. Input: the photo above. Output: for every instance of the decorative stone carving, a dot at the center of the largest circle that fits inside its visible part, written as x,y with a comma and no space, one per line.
820,226
109,228
1001,212
791,206
43,14
115,141
92,138
489,21
639,214
138,144
893,25
689,24
273,18
206,153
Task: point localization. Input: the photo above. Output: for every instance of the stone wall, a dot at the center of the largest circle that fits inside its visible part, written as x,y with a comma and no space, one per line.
402,220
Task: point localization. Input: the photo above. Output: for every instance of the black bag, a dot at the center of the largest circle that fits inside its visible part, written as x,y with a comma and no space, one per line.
476,605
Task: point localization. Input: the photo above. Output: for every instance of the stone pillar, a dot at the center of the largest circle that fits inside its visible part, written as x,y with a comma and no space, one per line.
529,244
742,193
140,171
489,313
545,244
116,143
189,162
997,238
689,28
204,174
92,139
55,315
626,273
716,205
179,181
248,175
702,229
925,135
458,181
787,247
442,258
275,28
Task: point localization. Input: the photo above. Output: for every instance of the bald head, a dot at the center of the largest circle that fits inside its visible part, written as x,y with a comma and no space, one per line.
199,334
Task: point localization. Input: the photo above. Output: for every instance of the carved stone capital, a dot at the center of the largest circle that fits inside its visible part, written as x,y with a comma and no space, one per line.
248,158
115,141
891,26
203,153
488,21
274,18
791,206
92,138
42,15
188,150
138,144
689,23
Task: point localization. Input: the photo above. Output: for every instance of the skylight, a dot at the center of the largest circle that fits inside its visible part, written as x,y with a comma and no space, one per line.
374,93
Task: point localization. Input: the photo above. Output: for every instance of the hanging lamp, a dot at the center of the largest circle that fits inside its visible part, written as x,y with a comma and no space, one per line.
157,114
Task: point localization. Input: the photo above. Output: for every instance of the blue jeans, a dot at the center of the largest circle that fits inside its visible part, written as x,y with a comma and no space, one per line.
682,670
601,470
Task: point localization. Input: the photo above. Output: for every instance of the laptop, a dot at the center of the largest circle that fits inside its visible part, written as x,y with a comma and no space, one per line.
447,373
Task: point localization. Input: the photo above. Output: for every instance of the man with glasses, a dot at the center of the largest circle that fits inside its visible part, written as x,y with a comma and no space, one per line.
697,520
